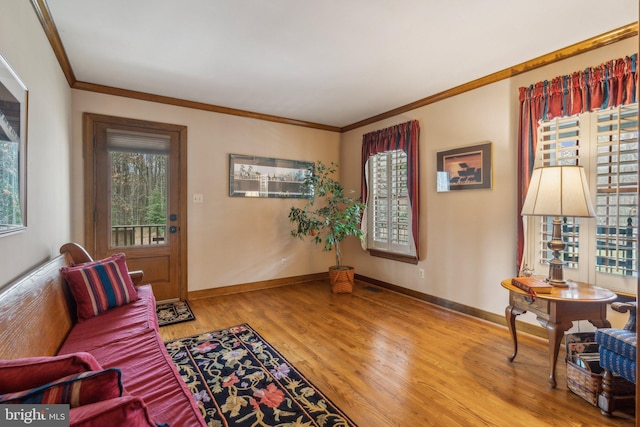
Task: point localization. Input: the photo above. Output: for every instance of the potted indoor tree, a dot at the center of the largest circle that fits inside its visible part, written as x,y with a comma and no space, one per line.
329,217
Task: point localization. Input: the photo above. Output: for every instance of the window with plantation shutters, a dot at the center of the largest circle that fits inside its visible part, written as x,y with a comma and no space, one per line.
389,211
617,190
604,250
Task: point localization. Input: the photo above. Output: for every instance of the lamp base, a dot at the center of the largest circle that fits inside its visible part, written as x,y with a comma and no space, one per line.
555,281
558,284
556,244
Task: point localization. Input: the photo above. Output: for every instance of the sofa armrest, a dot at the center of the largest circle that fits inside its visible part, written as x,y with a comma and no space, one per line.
624,307
78,254
136,276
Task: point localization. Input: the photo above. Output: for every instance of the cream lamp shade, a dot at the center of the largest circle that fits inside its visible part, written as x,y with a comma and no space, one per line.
558,191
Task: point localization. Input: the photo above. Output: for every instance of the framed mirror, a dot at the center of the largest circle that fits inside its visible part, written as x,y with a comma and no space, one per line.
13,151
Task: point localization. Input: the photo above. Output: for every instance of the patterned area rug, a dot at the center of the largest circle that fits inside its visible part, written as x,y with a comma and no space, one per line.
174,312
238,379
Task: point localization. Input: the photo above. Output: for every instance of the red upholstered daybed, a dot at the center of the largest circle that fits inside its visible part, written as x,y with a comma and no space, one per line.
38,328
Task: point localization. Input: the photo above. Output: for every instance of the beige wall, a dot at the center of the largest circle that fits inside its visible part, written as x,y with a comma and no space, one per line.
24,45
468,237
231,240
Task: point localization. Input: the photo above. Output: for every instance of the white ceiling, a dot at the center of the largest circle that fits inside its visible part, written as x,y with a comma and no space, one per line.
331,62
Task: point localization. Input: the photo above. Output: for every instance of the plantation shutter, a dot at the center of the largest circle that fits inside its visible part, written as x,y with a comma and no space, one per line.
400,207
380,193
391,214
616,190
559,144
559,141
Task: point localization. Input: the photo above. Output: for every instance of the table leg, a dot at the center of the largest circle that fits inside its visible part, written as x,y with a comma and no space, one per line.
556,333
510,313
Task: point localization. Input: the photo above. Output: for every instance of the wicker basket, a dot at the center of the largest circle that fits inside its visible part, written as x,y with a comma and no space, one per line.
588,385
584,383
341,280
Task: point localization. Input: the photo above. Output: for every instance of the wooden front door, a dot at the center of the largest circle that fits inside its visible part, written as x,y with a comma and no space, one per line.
135,198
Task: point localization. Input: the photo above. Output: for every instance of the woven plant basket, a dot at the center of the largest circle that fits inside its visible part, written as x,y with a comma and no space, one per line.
588,385
341,280
584,383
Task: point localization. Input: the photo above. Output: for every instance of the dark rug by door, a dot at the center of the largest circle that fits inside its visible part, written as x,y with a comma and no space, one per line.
174,312
239,379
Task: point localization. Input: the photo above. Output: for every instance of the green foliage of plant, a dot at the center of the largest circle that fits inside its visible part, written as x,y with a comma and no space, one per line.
329,216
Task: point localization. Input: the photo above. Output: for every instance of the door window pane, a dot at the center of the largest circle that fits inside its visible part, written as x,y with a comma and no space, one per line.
138,189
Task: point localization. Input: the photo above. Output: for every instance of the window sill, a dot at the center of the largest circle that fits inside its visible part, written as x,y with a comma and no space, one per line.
393,256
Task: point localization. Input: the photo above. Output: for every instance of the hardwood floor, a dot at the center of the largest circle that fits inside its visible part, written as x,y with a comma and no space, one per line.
390,360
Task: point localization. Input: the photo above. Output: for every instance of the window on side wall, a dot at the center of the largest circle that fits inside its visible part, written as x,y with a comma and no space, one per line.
388,207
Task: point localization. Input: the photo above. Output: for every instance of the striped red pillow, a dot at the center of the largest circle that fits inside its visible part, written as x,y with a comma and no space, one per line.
101,285
30,372
74,390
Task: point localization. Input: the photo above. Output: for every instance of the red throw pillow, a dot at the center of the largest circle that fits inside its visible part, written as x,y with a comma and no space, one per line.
100,285
74,390
127,411
30,372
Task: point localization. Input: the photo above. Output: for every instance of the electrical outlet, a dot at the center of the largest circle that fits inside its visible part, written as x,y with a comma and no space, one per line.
198,198
283,262
421,273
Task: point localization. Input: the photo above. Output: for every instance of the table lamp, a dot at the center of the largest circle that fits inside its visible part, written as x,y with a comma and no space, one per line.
558,191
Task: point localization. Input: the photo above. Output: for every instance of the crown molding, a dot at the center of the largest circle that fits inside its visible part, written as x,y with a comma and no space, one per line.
44,16
110,90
